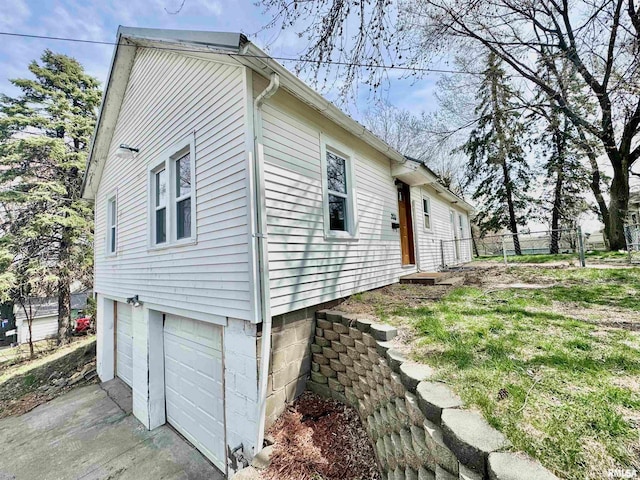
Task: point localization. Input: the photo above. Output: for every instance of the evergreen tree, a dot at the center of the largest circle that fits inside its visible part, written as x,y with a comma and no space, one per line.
497,168
566,178
44,137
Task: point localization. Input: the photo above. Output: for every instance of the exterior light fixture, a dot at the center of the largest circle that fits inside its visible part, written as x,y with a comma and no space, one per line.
125,151
134,301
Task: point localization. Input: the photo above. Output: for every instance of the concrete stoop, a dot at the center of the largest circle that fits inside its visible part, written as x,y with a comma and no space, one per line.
417,426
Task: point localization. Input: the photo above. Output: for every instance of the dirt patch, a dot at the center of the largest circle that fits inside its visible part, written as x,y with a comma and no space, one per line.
320,439
47,379
393,297
602,315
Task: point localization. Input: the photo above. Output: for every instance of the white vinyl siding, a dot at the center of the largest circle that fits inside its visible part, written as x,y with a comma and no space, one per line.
306,268
429,243
169,97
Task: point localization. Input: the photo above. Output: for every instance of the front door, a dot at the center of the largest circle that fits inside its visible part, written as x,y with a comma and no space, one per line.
406,224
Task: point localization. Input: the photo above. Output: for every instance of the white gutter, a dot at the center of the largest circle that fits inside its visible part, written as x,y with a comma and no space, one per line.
263,256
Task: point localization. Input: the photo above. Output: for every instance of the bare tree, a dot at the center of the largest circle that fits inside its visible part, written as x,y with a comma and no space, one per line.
407,132
600,38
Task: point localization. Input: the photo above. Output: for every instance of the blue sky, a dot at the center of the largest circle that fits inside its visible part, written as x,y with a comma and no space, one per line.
99,20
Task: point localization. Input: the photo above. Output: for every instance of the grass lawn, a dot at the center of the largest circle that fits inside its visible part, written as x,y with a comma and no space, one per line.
555,365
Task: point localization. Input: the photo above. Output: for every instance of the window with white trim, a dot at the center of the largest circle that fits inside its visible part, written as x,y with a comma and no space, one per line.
337,187
338,184
182,169
112,225
160,195
172,199
426,211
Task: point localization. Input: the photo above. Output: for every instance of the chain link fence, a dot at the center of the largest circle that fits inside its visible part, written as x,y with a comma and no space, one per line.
632,236
529,247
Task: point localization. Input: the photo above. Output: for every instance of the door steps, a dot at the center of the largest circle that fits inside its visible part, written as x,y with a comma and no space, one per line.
433,278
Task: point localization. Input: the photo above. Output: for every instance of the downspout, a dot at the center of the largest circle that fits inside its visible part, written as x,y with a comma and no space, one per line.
263,256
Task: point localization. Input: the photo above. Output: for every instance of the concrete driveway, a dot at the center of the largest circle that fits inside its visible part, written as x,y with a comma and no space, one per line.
86,435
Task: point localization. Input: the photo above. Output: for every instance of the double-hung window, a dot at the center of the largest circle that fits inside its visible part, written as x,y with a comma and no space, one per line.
426,211
182,168
339,191
172,202
160,205
337,186
112,225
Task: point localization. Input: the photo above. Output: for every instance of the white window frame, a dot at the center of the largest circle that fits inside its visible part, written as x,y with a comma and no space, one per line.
175,199
329,145
154,208
167,160
461,225
426,198
111,205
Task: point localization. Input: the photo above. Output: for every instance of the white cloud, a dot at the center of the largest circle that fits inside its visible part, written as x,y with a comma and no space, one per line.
14,17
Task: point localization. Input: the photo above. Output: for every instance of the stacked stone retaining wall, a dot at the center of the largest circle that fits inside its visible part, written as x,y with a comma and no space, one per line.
417,426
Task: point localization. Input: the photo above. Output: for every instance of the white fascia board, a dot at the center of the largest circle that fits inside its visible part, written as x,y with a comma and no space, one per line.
112,97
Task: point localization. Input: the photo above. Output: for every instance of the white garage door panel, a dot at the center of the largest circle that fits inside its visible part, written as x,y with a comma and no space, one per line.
193,382
124,343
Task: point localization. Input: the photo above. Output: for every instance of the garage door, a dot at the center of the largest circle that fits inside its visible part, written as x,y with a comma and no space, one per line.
124,343
193,382
44,327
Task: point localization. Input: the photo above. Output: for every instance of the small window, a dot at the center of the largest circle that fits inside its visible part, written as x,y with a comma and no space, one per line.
160,199
426,210
461,222
112,226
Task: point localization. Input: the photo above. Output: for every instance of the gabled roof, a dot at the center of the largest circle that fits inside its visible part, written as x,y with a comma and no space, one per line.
229,45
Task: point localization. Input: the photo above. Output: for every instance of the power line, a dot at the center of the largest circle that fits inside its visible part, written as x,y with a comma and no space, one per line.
265,57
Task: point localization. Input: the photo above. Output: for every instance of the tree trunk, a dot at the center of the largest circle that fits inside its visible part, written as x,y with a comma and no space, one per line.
595,180
557,192
29,316
64,289
513,223
555,214
502,160
618,204
474,243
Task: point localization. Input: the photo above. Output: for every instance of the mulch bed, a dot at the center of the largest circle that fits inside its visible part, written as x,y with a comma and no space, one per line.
320,439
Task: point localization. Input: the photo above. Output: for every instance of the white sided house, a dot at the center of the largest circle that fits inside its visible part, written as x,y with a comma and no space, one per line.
232,202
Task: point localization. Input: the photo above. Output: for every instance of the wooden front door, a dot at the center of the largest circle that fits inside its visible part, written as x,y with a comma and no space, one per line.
406,224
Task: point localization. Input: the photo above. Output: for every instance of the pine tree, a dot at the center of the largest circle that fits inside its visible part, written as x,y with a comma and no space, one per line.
44,137
497,167
566,177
